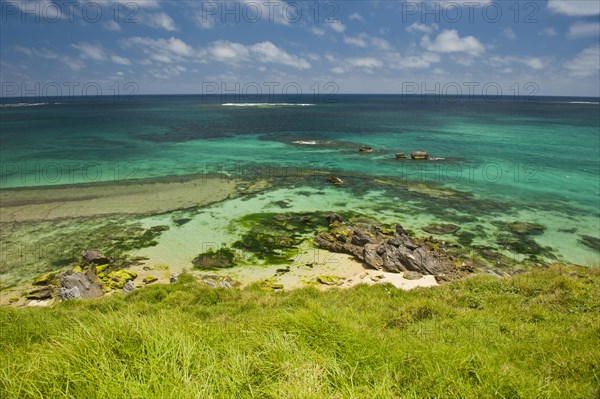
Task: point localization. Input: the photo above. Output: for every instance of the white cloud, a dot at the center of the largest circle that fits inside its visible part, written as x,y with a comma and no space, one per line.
508,33
90,51
548,31
586,63
228,52
365,62
120,60
267,52
584,29
502,62
112,26
162,50
448,41
317,31
575,7
356,17
336,25
160,20
24,50
420,61
277,11
419,27
203,20
363,41
338,70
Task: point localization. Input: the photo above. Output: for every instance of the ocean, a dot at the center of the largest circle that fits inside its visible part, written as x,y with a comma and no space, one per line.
493,161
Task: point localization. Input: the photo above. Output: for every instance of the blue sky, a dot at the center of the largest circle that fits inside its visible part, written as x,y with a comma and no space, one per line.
468,47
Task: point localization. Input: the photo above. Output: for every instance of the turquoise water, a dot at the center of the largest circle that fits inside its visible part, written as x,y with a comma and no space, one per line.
534,162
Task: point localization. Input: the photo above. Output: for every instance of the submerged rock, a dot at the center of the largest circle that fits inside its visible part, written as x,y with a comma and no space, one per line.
365,148
95,257
222,258
526,228
590,242
441,228
400,155
393,253
419,155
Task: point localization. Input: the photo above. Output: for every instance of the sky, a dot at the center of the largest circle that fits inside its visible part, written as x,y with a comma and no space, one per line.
480,47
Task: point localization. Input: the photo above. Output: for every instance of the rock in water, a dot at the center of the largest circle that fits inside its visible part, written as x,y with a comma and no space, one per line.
419,155
95,257
400,155
334,218
365,148
335,180
128,287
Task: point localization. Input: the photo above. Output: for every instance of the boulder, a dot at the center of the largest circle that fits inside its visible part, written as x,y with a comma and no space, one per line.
419,155
174,277
330,280
45,279
128,287
95,257
69,293
88,284
334,218
148,280
409,275
335,180
40,293
400,155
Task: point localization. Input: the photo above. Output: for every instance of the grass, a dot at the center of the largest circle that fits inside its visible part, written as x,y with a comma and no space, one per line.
535,335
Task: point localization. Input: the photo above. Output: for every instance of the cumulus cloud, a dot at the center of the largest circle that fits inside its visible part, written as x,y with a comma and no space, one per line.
90,51
161,50
448,41
267,52
420,61
586,63
417,27
336,25
228,52
532,62
584,29
356,17
120,60
575,7
160,20
508,33
365,62
548,31
363,41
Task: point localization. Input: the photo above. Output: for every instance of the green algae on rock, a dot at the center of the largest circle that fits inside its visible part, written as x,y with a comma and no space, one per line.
222,258
526,228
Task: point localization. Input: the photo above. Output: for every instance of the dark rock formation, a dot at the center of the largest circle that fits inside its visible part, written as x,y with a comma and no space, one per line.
334,218
69,293
400,155
95,257
590,242
174,277
419,155
526,228
40,293
390,252
441,228
365,148
335,180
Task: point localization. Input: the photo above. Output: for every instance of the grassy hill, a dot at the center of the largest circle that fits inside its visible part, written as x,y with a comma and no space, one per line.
534,335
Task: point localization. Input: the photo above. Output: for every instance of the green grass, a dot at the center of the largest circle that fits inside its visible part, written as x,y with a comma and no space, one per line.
535,335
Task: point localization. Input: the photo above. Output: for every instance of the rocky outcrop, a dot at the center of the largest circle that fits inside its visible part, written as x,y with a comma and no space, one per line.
335,180
87,284
419,155
128,287
392,251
